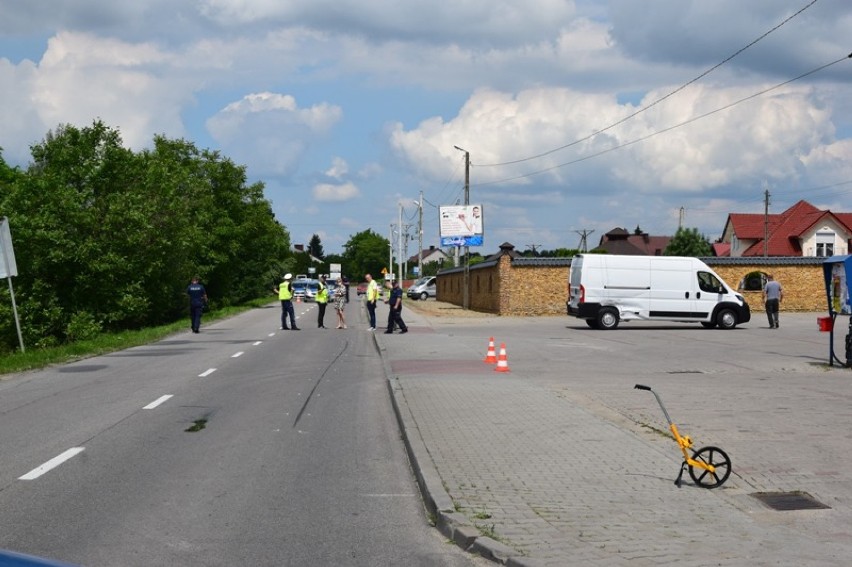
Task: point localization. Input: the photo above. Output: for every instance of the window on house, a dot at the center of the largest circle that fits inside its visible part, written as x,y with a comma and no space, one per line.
824,244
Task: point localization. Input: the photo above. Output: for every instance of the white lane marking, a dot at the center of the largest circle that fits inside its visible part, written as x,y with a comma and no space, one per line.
271,334
238,354
158,401
207,372
51,464
256,343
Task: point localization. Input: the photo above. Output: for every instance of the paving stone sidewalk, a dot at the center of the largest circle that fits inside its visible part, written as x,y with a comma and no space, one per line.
560,462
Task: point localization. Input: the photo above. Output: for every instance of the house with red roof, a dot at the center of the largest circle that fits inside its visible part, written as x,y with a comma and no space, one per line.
637,243
801,230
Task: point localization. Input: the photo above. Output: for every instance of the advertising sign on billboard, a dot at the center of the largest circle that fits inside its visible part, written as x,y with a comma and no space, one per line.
461,225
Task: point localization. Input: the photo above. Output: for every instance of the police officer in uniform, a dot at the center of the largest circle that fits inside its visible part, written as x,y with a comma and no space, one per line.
197,301
285,294
322,302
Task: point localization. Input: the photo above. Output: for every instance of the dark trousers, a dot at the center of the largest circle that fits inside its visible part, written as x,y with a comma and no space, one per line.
395,318
371,311
287,310
195,316
772,311
321,314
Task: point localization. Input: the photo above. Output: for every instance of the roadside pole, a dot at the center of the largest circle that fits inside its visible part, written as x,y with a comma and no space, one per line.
10,268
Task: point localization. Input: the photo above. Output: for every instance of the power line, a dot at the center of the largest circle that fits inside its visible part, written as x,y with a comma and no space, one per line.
656,102
668,129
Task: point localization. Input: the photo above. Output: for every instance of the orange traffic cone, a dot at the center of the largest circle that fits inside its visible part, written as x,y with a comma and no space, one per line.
502,363
491,356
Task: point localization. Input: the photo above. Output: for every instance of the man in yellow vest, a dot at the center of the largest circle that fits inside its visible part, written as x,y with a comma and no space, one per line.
322,302
372,298
285,294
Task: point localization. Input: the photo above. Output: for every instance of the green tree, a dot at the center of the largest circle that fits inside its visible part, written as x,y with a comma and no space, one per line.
560,253
315,247
688,242
365,253
106,238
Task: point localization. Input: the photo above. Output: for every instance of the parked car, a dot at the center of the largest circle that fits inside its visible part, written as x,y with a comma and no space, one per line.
361,289
300,290
423,288
311,290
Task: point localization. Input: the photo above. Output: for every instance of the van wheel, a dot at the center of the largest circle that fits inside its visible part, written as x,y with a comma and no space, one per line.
592,323
424,296
607,318
726,319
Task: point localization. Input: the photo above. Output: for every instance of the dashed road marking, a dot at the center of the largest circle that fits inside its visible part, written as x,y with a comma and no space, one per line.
158,401
51,464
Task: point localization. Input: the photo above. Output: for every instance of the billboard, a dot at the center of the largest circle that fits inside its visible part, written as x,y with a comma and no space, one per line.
461,225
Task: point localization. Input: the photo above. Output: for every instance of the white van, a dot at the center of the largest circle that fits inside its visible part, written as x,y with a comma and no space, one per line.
605,289
423,288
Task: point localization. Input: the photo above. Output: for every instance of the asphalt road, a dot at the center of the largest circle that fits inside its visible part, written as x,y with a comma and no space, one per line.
241,445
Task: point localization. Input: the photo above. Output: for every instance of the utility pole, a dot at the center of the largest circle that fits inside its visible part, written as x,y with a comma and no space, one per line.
766,223
420,237
390,249
583,234
466,285
533,248
399,247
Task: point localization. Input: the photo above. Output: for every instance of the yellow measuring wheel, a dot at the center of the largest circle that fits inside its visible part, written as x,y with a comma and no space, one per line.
709,467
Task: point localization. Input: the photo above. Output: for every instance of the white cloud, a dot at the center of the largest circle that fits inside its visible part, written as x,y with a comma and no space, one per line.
327,192
270,130
767,137
338,168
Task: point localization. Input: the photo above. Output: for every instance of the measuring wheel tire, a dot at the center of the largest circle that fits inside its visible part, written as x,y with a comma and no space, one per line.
720,461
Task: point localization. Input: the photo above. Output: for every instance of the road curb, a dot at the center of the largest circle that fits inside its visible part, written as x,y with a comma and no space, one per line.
439,505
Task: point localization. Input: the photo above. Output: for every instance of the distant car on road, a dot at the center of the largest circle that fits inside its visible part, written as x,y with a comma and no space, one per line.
300,290
361,289
423,288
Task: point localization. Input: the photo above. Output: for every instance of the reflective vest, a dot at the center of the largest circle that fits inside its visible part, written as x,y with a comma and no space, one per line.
372,291
285,292
322,294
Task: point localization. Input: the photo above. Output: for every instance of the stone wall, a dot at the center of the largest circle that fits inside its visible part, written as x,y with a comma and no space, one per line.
803,284
514,286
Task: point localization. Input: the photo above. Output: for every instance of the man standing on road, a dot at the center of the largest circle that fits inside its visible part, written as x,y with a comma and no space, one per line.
772,296
372,298
197,301
285,294
395,313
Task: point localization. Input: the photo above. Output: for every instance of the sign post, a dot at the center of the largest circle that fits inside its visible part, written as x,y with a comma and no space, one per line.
8,269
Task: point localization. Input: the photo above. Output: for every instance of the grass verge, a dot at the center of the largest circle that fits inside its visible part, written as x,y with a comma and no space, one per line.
36,358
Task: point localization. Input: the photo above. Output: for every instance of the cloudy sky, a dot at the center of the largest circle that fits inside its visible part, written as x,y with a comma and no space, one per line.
578,116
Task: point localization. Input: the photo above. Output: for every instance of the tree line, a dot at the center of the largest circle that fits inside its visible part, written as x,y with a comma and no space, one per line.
107,239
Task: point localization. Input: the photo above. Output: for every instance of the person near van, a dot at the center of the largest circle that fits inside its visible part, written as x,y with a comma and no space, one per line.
340,303
285,294
372,298
197,301
322,302
772,296
395,311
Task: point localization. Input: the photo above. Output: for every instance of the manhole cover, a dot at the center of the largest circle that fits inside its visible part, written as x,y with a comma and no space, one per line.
789,501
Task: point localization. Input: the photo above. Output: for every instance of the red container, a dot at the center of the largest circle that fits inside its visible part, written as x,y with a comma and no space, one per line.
825,324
